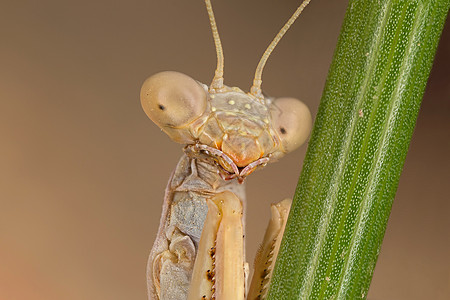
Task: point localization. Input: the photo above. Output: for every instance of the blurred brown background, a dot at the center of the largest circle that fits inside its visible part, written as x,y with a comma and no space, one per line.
83,170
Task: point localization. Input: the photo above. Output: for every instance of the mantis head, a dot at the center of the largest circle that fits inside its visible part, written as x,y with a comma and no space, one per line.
239,130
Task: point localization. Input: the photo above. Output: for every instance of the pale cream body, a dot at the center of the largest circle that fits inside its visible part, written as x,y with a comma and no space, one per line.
172,257
228,134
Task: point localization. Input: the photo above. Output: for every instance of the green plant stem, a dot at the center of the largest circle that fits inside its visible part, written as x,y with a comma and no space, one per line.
357,149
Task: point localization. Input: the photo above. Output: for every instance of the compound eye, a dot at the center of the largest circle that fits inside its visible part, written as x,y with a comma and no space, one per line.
172,99
292,121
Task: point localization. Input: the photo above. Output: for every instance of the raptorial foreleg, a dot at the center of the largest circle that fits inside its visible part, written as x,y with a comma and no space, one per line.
268,252
219,267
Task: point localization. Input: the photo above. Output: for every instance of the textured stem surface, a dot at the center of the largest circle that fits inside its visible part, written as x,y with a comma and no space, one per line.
357,149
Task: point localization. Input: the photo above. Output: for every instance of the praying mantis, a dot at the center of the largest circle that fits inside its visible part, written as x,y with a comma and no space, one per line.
199,249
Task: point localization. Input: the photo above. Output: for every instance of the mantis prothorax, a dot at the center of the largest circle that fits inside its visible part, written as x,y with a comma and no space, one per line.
199,249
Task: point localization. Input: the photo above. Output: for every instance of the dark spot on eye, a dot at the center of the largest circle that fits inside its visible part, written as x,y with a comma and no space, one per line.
161,107
282,130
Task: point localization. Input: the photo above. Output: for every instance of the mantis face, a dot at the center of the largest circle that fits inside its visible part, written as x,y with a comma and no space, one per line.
238,130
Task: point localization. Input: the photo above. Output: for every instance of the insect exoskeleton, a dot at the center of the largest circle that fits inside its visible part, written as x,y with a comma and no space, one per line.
245,130
199,250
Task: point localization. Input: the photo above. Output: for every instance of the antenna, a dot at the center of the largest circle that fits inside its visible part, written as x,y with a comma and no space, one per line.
255,90
217,82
